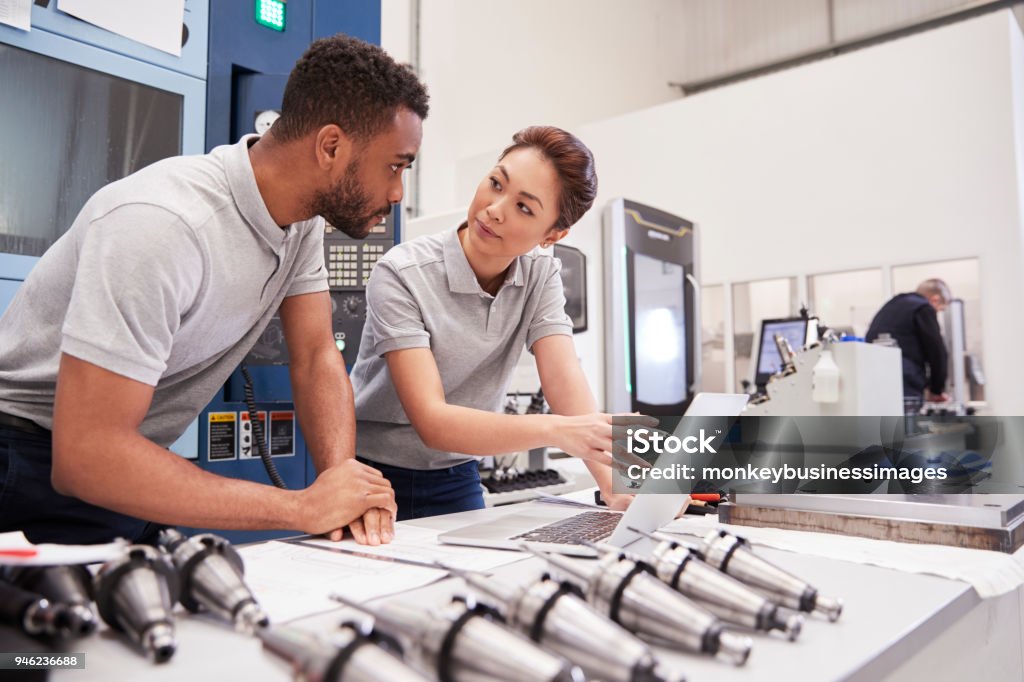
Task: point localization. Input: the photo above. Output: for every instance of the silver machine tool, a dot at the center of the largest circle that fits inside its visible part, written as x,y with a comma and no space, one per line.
211,574
67,586
554,614
31,613
348,655
627,592
685,570
463,641
731,554
135,594
787,355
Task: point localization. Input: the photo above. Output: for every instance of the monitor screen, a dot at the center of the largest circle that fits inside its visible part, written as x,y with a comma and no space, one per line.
796,330
660,331
68,131
574,283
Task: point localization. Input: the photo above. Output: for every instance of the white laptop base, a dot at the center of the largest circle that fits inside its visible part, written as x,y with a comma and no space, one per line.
648,512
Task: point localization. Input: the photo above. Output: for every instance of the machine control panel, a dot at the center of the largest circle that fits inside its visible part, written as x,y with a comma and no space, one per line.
349,263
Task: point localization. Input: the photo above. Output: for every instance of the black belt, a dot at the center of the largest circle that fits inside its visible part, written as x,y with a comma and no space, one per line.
21,424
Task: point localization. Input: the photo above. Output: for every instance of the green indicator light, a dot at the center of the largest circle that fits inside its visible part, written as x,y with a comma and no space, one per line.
271,13
340,343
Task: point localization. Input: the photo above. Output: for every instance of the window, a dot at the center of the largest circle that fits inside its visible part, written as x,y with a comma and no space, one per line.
846,301
751,303
70,131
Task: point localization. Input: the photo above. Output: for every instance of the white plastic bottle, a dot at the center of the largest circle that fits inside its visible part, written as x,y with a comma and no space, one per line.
825,378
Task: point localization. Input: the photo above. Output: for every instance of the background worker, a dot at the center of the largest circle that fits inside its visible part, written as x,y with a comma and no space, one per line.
912,320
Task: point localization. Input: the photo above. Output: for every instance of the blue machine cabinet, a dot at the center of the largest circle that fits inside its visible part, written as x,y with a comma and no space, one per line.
192,62
14,269
61,43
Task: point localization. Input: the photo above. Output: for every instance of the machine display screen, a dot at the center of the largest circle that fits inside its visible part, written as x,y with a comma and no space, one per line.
768,359
660,331
68,131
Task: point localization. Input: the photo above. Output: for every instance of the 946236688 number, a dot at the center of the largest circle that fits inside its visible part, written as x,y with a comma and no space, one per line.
29,661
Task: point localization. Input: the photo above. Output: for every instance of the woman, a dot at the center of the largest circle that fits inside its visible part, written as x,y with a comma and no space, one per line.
448,317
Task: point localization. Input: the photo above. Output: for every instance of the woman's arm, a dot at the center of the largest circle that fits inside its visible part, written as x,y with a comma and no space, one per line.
482,433
568,393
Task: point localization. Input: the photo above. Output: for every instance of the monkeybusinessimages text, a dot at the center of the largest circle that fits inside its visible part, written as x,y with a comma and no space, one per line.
648,442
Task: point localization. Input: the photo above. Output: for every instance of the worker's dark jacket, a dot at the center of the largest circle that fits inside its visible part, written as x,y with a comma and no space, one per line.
912,321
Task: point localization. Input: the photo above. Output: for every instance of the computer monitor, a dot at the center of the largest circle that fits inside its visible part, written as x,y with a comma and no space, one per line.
798,331
574,283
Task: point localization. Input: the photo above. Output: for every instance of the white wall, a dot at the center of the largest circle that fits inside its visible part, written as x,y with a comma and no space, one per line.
493,67
432,224
908,151
397,24
1017,88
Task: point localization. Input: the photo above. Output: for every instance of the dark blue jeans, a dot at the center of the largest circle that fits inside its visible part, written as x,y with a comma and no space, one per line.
431,492
29,503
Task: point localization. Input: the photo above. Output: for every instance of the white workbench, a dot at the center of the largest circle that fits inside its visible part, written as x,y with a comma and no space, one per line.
895,625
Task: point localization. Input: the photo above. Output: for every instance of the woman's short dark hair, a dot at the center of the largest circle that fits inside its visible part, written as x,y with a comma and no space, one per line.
350,83
573,163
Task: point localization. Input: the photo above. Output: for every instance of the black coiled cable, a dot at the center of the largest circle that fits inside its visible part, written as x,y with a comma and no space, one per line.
257,431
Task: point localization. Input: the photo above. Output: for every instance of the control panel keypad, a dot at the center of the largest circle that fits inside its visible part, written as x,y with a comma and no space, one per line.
371,254
343,265
350,265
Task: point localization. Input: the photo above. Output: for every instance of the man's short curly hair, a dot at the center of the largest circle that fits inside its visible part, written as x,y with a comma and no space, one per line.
350,83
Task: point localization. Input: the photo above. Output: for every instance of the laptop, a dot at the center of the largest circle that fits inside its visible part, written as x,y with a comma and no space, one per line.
546,527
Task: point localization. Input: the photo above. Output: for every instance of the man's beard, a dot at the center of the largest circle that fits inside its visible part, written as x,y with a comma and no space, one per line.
346,205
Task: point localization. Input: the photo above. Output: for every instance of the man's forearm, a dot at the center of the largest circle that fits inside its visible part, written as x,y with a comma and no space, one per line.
129,474
326,408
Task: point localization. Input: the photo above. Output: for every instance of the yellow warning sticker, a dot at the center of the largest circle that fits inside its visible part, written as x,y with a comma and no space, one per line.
221,438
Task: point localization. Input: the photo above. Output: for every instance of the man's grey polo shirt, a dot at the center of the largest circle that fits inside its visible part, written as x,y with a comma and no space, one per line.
167,277
423,294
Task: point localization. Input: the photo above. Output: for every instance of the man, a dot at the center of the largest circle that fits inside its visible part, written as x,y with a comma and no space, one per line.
912,320
130,323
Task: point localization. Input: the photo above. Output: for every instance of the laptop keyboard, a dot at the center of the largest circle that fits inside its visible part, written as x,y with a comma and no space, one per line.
592,525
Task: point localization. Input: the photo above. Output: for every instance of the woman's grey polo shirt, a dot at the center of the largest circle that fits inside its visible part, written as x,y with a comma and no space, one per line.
423,294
